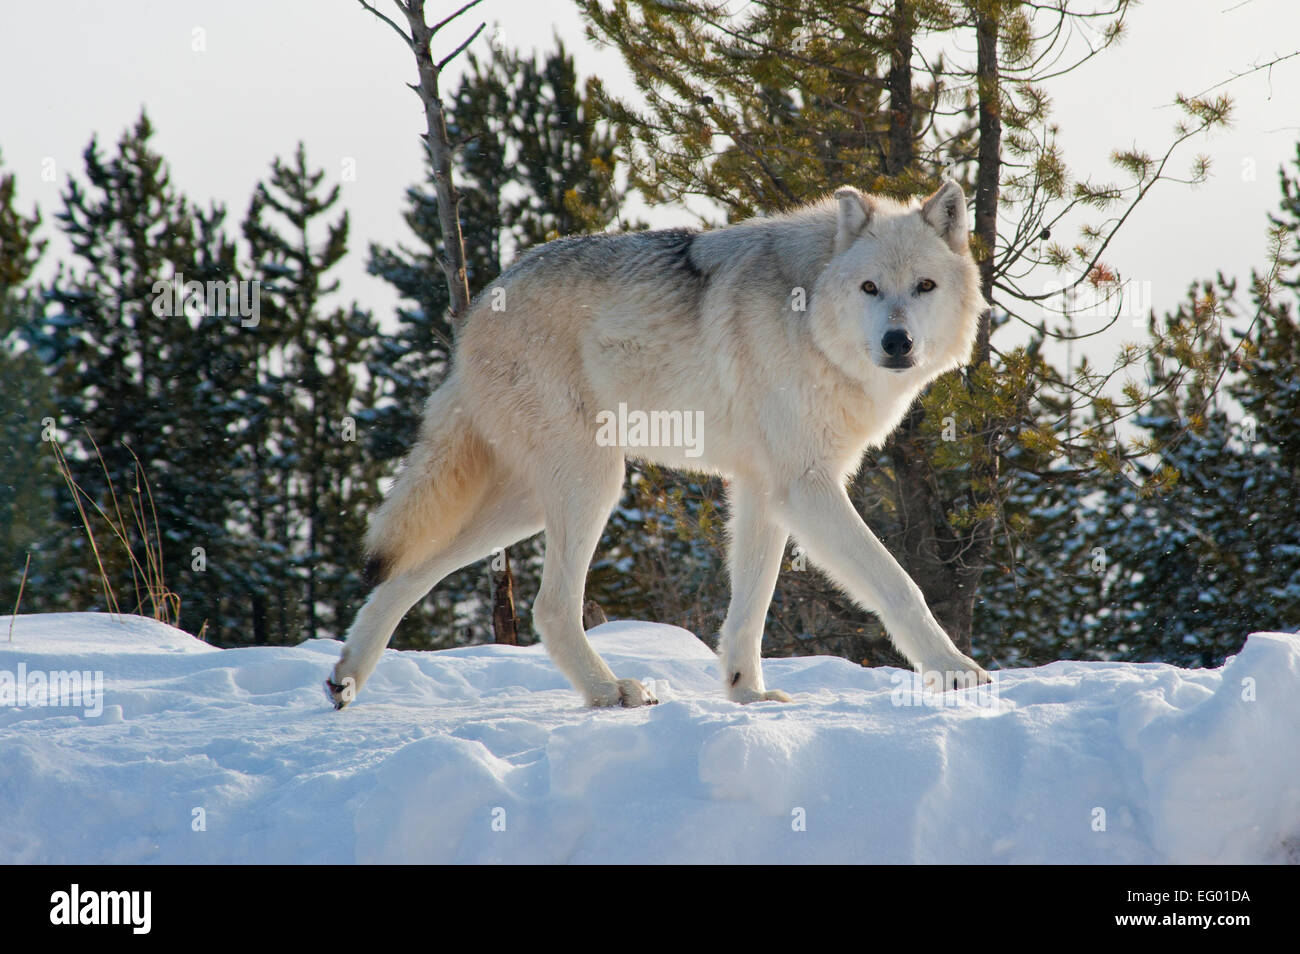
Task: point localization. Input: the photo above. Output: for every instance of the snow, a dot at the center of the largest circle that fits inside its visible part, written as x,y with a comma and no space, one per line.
1072,762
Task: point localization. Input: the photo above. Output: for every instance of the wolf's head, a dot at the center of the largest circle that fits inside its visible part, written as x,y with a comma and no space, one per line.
901,291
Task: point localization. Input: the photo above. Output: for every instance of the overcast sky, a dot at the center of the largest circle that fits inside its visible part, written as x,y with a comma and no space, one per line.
268,73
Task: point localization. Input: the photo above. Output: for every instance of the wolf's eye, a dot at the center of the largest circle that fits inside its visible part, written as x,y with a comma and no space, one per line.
925,285
870,288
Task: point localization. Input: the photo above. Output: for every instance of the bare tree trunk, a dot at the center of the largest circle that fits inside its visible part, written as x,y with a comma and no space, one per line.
505,629
452,260
593,615
988,174
946,562
989,166
438,143
901,148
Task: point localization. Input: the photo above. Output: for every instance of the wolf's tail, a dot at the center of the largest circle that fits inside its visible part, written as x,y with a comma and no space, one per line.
440,487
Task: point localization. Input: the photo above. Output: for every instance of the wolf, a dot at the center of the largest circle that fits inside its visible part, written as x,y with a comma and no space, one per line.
795,342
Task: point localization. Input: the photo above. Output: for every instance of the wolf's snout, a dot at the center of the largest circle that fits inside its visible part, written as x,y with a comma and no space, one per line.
897,343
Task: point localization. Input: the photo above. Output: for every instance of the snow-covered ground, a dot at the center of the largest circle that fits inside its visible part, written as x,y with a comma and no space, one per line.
484,754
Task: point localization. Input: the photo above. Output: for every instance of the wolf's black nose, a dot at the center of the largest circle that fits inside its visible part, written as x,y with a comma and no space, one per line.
896,343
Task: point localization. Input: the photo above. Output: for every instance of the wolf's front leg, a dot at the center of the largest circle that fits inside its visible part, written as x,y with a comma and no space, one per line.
754,558
821,516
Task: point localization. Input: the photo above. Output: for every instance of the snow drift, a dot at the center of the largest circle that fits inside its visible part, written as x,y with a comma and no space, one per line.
195,754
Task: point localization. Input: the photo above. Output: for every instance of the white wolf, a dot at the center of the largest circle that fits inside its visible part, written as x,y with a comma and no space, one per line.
795,341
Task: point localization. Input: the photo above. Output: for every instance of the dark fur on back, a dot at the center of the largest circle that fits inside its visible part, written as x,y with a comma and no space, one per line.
610,254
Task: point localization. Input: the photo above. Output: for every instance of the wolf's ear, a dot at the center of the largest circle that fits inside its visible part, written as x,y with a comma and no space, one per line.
854,214
946,212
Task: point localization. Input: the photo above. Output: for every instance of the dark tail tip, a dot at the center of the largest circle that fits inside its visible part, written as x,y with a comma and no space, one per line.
377,569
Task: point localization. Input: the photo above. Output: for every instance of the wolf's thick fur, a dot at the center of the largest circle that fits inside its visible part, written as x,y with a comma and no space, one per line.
708,323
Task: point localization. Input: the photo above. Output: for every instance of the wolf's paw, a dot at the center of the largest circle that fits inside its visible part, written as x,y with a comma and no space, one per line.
745,696
342,692
628,693
959,672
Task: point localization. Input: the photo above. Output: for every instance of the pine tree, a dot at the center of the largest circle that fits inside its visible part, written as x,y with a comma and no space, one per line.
1214,554
137,385
27,498
563,152
314,481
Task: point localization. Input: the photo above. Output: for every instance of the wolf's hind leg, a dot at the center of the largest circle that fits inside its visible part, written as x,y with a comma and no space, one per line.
508,514
578,499
754,557
373,627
